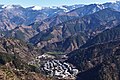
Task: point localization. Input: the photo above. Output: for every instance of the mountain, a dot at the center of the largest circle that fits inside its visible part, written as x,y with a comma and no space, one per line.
51,21
44,17
67,45
60,42
106,36
92,8
60,17
98,57
55,9
86,10
21,32
114,5
15,60
13,15
97,62
72,13
90,26
16,47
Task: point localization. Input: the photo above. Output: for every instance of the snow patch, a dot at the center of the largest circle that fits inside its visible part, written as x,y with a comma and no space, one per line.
65,9
7,6
53,7
100,7
37,8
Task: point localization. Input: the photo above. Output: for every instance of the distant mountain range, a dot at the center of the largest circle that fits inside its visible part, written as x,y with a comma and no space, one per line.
28,23
61,41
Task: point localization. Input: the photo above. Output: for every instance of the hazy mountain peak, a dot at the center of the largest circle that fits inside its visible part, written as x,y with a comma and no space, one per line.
7,6
37,8
10,6
53,7
116,1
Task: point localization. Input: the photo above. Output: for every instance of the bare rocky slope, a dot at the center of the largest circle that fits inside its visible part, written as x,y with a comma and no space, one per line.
84,29
15,58
98,61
